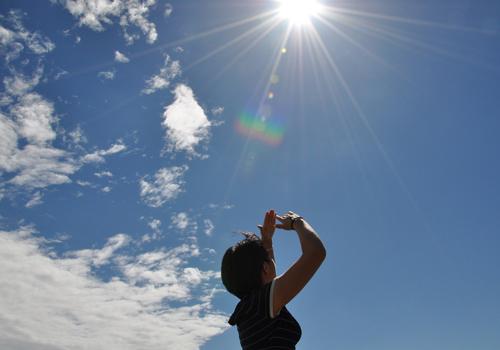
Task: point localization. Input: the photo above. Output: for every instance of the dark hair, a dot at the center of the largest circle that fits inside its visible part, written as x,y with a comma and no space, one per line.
242,265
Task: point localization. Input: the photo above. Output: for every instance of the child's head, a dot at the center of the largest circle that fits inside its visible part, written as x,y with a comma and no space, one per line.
242,265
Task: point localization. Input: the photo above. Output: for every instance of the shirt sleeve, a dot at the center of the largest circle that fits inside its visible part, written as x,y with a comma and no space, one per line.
258,303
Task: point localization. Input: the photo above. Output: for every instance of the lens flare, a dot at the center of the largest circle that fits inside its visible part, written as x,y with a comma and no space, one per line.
263,130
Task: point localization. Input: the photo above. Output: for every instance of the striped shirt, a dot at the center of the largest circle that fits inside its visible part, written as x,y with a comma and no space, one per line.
258,328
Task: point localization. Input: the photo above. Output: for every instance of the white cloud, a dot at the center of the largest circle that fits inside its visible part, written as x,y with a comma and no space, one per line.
35,200
155,225
168,10
209,227
38,164
77,136
166,186
34,116
185,122
217,110
106,189
98,156
61,73
104,174
18,84
14,39
119,57
169,71
130,310
184,223
95,14
107,75
6,36
99,257
221,206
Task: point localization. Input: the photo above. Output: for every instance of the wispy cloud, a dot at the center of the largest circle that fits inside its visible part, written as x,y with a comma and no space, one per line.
36,199
209,227
104,174
165,186
106,189
37,164
185,122
107,75
14,37
132,309
155,225
120,57
76,137
18,84
168,10
169,71
183,222
98,156
95,14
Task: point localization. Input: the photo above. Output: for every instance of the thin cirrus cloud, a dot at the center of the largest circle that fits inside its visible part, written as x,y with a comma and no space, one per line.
95,14
35,200
185,122
98,156
132,309
165,185
170,70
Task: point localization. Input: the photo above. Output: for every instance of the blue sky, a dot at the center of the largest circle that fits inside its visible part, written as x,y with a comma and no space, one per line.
137,138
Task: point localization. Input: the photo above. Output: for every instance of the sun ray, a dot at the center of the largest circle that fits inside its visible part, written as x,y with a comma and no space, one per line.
368,52
348,129
414,44
365,121
339,10
233,42
250,46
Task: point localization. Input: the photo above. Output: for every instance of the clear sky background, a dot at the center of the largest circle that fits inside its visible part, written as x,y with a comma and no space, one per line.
138,137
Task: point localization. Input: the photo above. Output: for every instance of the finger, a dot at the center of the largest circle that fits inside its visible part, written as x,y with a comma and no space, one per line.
260,227
280,226
280,218
268,218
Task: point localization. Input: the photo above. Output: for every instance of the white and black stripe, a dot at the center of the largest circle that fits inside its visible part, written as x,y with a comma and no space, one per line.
258,328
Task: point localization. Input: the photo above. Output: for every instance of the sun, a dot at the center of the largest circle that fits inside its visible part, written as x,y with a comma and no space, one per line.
298,12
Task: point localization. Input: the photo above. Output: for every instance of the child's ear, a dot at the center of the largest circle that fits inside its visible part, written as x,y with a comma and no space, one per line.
265,268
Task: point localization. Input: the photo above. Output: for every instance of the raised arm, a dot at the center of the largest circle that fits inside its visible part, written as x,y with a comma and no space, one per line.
290,283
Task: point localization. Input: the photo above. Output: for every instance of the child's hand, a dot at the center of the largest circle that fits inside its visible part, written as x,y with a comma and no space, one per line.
269,225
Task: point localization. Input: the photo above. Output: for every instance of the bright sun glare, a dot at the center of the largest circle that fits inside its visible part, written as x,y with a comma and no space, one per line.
298,12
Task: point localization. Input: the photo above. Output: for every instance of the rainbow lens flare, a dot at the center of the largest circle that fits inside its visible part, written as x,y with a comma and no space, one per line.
262,130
